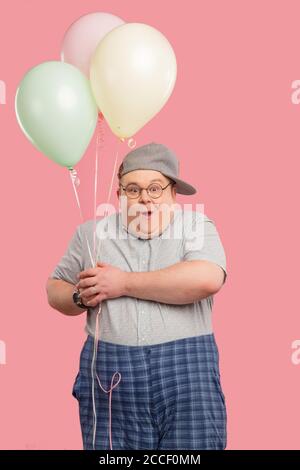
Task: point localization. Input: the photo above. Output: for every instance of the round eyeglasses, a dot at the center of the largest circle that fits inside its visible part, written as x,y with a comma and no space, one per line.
154,190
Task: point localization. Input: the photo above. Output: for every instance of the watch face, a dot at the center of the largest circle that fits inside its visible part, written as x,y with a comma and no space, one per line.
78,300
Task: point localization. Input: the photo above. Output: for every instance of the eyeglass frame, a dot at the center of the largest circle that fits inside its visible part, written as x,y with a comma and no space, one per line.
141,189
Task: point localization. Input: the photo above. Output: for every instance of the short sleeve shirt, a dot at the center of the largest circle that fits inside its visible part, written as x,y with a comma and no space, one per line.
132,321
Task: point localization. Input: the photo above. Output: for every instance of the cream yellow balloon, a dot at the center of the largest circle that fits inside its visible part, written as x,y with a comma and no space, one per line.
133,72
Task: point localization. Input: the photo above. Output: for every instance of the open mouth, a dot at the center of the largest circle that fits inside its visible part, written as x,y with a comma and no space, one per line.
147,214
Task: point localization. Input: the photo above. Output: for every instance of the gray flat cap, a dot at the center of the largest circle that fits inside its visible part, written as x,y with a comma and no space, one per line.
157,157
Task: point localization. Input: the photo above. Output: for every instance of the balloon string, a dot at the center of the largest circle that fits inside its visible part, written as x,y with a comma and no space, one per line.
109,194
96,338
99,145
112,386
75,181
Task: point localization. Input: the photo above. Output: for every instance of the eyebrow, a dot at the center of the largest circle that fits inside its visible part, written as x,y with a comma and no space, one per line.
156,179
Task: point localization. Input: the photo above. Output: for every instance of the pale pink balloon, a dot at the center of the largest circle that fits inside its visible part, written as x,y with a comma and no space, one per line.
83,36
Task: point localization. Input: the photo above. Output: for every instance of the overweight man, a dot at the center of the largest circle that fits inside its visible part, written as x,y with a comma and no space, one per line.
158,270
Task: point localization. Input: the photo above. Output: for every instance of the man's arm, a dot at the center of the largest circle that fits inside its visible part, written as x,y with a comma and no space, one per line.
182,283
60,297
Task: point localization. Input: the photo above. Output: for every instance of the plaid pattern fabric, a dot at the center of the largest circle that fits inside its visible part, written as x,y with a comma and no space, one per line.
169,396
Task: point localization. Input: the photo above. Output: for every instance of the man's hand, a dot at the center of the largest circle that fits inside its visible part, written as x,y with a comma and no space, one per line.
101,283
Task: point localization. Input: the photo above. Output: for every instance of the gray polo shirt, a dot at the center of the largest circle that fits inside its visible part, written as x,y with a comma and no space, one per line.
131,321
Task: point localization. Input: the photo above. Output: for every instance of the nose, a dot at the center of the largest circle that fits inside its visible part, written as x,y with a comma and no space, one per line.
144,196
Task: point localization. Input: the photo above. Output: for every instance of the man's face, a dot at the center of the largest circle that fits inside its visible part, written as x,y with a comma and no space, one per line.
147,216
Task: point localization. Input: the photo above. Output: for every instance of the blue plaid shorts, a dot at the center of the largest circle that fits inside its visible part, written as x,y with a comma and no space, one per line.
169,396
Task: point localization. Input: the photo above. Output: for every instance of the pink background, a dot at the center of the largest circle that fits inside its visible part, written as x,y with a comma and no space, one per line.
234,127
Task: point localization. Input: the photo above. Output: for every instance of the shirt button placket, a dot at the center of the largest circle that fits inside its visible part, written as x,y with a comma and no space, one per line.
142,313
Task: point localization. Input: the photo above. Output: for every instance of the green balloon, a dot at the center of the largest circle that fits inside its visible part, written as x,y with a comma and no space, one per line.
56,110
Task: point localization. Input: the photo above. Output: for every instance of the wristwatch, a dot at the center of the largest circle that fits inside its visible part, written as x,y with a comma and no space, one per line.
77,300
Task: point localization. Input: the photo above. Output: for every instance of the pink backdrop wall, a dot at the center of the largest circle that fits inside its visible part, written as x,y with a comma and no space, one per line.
234,125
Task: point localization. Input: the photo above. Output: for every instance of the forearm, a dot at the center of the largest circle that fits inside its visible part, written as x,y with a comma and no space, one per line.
60,297
181,283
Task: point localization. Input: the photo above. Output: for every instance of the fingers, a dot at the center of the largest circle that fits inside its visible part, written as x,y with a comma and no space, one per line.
87,282
91,271
100,264
87,273
93,302
90,292
86,286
